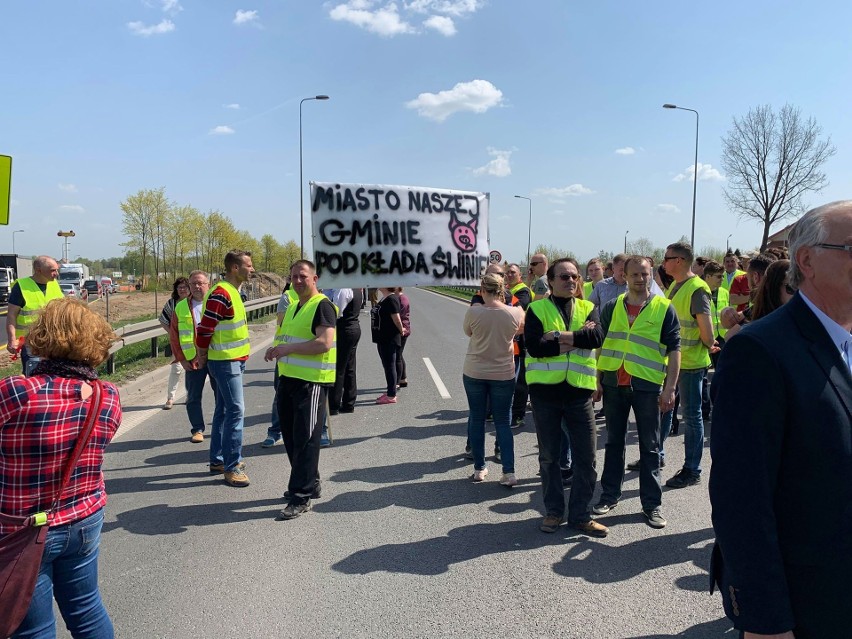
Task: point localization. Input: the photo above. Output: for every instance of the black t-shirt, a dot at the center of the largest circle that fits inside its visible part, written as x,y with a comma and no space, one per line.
387,331
325,315
17,298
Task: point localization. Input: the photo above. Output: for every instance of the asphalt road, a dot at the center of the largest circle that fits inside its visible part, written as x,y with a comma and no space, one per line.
401,542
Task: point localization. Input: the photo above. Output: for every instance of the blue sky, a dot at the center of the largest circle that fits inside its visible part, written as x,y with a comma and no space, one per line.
558,101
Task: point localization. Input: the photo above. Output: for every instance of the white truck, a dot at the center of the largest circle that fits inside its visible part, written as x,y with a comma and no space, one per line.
12,267
73,274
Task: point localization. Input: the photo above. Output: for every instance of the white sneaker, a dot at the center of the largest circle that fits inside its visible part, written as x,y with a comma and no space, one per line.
508,480
479,475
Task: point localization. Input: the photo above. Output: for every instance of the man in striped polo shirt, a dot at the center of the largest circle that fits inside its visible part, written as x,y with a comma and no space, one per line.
222,344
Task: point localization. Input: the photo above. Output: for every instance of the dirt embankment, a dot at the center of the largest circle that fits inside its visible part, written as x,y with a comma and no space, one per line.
124,307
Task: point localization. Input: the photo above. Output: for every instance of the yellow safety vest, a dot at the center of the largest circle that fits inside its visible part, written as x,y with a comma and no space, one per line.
230,337
34,301
519,287
725,283
637,347
723,300
292,295
693,353
186,328
588,287
577,366
320,369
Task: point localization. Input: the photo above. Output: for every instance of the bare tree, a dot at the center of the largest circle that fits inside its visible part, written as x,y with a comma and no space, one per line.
772,161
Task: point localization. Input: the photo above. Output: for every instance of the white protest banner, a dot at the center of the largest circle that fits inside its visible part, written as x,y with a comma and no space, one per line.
377,235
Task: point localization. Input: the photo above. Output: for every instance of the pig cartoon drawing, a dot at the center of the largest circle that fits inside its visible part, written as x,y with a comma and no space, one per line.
464,233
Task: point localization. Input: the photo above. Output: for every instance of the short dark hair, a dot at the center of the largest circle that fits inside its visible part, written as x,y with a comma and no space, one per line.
760,263
701,260
551,270
635,259
307,263
618,259
234,257
712,267
684,250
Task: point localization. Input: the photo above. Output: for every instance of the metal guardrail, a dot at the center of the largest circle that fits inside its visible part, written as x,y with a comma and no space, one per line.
153,330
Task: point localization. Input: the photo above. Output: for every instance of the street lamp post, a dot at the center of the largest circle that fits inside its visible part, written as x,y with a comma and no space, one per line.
695,168
529,226
728,243
625,240
13,240
301,181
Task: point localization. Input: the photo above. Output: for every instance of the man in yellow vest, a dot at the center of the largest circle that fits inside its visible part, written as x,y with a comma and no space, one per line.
306,352
561,333
690,297
27,297
185,319
594,274
222,344
637,369
732,271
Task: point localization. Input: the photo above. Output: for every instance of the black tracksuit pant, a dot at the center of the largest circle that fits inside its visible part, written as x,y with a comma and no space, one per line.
301,408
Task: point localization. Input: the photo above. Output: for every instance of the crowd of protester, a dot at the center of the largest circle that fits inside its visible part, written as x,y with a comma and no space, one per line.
636,336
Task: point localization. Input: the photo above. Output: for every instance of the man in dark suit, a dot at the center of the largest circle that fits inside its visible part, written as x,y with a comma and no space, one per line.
781,483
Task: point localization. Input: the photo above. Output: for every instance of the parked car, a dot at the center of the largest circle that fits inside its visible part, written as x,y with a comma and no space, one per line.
93,287
69,289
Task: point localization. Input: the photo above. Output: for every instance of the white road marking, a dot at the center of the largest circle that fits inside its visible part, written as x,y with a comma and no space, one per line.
442,390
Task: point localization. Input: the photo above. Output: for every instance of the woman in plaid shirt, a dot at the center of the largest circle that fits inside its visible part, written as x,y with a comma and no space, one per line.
40,418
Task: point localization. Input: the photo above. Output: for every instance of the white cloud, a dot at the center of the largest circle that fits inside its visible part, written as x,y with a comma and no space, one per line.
627,150
171,6
706,173
233,105
450,7
477,96
442,25
246,17
68,188
221,130
73,208
499,166
141,29
667,208
558,194
384,22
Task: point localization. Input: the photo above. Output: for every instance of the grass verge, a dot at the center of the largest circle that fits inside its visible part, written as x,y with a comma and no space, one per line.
459,292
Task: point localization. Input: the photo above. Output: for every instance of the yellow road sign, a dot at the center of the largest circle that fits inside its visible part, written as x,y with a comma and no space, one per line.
5,188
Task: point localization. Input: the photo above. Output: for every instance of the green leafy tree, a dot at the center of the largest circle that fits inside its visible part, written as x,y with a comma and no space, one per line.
139,219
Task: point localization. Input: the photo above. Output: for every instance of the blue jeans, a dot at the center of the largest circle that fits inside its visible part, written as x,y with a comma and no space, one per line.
226,440
194,384
690,405
69,572
500,392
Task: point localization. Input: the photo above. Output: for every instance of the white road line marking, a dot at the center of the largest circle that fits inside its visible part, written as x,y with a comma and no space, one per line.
442,390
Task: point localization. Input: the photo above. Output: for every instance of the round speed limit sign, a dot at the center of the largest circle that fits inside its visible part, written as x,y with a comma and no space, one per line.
495,257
